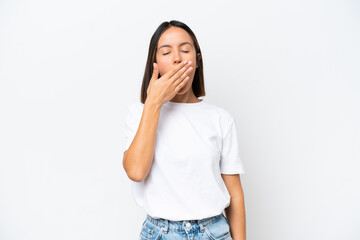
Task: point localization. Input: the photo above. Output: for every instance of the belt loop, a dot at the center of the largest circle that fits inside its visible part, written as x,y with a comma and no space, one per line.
201,227
166,225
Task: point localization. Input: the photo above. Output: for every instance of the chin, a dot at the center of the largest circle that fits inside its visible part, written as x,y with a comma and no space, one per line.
182,91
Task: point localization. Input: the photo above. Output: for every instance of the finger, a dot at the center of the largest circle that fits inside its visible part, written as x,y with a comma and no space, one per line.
155,71
181,74
182,77
182,84
170,73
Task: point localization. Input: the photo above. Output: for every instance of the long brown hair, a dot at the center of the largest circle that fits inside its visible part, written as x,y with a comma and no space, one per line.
198,82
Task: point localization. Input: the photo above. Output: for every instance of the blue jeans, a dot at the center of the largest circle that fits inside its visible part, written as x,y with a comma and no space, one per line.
212,228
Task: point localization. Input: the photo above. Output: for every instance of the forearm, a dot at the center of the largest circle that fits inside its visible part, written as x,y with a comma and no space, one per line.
139,156
235,214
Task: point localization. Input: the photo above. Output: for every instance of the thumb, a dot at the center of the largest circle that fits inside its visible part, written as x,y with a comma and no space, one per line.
155,71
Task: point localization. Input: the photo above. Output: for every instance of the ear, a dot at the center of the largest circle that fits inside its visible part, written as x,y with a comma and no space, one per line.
199,57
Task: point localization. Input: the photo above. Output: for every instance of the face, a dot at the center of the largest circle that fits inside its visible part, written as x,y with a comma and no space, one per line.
174,46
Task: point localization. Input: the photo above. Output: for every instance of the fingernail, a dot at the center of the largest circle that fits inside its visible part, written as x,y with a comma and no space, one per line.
189,62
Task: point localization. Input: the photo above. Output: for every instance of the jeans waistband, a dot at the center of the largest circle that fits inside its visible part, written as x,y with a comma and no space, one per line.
189,225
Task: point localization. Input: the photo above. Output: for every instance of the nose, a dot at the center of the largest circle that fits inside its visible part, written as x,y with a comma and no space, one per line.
177,60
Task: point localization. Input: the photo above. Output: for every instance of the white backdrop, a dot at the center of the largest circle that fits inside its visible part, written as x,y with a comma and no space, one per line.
288,71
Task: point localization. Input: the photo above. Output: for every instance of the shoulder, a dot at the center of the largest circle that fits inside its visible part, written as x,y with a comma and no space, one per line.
224,116
133,109
134,106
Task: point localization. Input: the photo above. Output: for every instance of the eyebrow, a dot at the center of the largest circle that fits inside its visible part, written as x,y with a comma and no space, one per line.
166,45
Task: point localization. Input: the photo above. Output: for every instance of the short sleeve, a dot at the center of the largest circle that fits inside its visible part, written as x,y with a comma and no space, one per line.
230,161
130,126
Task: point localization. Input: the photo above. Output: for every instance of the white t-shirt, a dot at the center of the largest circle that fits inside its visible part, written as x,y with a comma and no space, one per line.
195,144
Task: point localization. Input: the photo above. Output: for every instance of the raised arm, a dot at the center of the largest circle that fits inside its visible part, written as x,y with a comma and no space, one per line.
137,160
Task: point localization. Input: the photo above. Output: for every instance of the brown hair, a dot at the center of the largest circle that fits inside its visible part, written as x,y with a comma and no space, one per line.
198,82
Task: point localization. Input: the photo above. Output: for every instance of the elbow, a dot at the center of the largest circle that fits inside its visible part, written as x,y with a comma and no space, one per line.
133,173
135,176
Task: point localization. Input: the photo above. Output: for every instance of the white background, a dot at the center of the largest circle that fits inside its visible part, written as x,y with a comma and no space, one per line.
288,71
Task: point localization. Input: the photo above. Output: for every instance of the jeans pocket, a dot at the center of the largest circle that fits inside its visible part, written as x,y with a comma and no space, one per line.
219,229
149,231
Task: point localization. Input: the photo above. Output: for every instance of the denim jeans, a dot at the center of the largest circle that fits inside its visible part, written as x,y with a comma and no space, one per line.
212,228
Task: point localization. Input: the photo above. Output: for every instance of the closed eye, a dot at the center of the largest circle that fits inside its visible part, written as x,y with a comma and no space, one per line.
182,51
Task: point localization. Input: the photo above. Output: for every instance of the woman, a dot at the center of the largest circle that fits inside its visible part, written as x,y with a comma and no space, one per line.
181,152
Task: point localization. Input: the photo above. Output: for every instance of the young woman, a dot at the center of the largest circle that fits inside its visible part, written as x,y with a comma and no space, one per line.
181,152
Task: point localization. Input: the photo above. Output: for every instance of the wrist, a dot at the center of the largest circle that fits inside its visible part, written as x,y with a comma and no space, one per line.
151,103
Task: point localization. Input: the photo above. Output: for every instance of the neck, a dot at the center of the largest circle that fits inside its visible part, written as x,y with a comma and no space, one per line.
188,97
